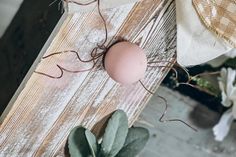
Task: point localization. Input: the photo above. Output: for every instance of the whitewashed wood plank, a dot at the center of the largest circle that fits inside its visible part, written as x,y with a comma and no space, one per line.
46,109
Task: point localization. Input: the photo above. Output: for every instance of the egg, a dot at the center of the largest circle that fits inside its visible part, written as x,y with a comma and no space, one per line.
125,62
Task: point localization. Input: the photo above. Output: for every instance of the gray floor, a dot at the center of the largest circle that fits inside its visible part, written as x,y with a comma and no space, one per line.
8,9
174,139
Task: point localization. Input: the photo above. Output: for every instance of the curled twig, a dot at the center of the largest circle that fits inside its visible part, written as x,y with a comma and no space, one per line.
94,53
161,119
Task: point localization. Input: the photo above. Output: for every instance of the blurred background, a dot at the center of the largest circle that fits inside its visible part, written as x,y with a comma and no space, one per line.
25,27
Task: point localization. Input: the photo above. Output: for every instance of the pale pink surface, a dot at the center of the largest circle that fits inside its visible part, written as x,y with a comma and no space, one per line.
126,63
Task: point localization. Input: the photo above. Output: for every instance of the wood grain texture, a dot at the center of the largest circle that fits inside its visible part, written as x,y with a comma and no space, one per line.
47,109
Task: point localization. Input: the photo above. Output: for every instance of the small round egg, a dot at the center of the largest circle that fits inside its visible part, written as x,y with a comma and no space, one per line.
125,62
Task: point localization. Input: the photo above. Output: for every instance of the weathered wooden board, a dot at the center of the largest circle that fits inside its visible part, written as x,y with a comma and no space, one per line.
46,109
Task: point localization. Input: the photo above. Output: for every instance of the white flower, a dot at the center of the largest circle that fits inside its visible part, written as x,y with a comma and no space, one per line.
228,94
221,129
228,88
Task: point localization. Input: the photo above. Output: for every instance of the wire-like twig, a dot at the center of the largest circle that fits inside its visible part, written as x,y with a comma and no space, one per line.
78,3
149,65
204,74
189,77
94,53
161,119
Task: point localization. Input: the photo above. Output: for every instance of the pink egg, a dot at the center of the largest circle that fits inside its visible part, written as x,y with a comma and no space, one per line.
125,62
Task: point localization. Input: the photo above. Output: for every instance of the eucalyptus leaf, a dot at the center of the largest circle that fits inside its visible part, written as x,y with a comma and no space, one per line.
115,134
136,140
93,145
78,144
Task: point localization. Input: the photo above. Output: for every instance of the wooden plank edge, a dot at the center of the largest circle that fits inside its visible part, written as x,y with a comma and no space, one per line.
33,67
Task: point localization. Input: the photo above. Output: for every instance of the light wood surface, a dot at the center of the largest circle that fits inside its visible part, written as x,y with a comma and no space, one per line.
47,109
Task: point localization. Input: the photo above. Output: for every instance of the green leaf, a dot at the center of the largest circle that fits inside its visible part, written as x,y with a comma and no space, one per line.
115,134
136,140
77,143
206,86
93,145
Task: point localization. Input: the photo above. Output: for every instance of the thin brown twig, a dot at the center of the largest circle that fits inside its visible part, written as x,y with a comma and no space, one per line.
161,61
195,86
149,91
188,82
78,3
204,74
189,77
50,4
94,53
71,51
161,119
62,69
184,69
